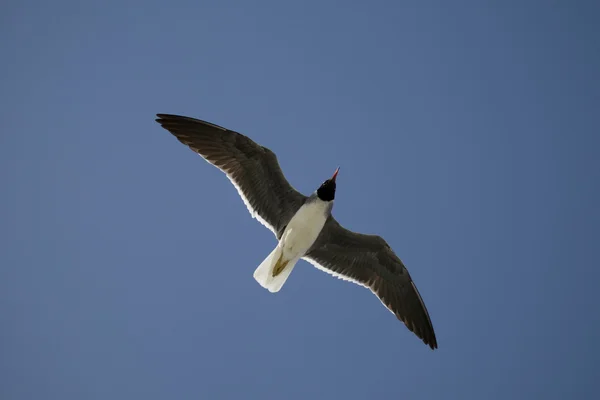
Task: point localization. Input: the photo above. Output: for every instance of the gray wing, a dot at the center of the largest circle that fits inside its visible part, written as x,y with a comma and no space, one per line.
253,169
369,261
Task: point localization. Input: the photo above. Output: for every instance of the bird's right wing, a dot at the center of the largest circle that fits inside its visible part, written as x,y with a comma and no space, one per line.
370,262
253,169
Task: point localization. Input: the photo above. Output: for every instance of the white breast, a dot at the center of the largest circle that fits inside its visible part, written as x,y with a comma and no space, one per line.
304,228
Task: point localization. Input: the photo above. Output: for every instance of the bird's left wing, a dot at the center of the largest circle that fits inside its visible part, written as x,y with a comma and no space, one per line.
253,169
370,262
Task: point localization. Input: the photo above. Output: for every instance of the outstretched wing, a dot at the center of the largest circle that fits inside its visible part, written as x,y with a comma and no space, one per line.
253,169
369,261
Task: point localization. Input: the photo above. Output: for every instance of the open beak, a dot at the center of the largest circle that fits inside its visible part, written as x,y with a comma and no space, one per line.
335,174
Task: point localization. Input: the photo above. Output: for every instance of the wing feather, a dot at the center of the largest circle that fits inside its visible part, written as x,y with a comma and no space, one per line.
252,169
370,262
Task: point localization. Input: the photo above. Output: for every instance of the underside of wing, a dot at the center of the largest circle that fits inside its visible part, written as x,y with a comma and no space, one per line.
253,169
369,261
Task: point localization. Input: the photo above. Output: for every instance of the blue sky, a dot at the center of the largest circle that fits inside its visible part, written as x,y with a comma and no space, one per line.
467,135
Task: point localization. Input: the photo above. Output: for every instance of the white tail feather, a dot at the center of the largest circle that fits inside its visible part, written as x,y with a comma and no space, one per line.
264,273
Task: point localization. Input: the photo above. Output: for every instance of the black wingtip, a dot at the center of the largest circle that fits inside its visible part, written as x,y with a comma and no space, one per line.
180,119
431,340
433,344
425,332
162,118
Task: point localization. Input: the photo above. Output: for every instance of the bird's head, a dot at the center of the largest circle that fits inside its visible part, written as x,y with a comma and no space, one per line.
326,191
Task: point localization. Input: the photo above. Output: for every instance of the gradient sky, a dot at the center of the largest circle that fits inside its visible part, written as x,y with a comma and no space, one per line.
467,133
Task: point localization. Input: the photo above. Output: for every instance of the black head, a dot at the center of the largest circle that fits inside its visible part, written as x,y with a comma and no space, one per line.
326,191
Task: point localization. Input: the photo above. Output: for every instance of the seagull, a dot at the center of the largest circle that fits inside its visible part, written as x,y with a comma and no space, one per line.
303,225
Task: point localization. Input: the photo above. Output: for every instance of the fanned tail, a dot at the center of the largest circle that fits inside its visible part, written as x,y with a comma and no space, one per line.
274,270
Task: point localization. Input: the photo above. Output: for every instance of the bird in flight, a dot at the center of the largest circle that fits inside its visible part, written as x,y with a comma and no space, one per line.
303,225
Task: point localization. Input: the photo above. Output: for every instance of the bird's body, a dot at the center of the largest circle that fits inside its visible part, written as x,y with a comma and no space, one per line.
300,234
303,225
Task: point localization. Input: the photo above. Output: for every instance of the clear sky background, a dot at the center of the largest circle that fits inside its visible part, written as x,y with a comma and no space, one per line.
468,137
